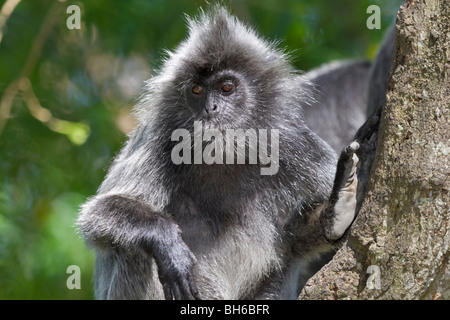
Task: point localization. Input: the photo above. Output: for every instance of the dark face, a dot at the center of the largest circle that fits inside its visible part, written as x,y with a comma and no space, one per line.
217,99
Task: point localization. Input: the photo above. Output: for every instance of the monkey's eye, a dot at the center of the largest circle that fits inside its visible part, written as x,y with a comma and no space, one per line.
197,89
227,87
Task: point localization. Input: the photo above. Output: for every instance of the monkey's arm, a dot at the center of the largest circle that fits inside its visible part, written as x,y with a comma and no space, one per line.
117,221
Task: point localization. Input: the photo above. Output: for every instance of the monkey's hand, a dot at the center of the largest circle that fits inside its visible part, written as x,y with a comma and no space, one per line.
175,263
343,195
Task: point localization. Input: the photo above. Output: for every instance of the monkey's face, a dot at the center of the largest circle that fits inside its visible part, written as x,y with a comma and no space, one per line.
218,99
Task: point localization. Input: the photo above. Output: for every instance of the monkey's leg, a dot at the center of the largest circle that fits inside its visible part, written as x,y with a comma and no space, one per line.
341,208
117,221
325,225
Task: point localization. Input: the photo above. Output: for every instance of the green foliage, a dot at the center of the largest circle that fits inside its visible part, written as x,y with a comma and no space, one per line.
72,93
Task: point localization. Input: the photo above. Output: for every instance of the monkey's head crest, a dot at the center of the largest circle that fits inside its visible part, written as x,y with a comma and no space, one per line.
217,41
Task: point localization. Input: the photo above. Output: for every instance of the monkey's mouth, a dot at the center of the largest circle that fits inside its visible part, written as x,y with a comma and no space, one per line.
211,124
217,123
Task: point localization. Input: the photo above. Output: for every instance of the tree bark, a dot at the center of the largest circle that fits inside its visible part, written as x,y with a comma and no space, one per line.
398,246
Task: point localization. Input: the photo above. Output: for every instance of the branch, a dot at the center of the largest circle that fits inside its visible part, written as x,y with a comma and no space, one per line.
14,87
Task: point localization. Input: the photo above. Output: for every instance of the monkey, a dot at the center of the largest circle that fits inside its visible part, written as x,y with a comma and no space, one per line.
339,107
196,230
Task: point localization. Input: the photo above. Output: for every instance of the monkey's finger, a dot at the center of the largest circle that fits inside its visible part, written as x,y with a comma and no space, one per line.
177,293
347,152
192,287
367,128
352,147
194,290
167,292
184,287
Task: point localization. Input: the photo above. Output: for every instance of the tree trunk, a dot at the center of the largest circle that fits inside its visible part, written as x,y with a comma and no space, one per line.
398,246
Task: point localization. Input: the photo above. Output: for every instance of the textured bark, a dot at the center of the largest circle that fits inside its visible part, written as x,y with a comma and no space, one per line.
403,227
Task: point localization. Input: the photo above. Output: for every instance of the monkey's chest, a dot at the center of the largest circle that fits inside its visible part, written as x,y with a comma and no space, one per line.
233,255
206,213
231,265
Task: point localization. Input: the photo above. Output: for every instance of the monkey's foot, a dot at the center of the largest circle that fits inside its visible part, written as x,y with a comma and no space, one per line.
343,198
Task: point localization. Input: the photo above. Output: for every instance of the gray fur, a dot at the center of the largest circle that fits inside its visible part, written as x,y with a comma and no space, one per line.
340,106
215,231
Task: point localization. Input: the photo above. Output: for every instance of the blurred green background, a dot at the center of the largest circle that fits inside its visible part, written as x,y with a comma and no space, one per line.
65,101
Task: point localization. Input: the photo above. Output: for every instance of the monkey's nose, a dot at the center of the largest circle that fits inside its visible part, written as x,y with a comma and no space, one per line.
211,109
